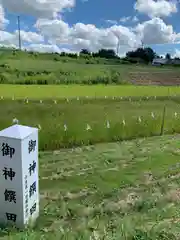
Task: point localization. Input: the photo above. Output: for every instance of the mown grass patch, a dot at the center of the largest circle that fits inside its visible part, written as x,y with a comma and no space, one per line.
127,190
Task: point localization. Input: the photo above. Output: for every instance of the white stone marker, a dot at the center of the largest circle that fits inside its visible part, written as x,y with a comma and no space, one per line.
19,186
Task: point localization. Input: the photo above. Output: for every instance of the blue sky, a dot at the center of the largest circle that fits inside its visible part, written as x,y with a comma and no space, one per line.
96,12
159,16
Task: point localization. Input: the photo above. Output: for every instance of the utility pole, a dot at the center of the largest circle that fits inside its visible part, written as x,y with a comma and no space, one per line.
142,44
19,32
118,44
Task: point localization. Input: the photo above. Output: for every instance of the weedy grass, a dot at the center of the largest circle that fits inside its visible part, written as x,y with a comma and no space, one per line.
73,90
128,190
85,122
50,72
58,70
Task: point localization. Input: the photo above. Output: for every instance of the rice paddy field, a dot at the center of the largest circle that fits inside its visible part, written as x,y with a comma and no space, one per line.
53,92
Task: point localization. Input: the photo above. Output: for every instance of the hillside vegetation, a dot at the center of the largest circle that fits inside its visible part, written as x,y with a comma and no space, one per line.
18,67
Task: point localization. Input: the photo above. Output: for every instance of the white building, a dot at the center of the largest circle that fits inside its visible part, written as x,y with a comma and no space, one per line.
159,61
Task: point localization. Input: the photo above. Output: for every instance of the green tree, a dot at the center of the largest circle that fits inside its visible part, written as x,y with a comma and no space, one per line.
106,53
145,54
168,56
85,52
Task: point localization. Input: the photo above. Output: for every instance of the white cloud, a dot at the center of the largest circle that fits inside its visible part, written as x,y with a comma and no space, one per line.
135,19
79,43
129,18
30,37
124,19
3,20
12,39
43,48
85,35
85,31
9,46
111,21
58,33
38,8
159,8
7,38
55,30
177,38
155,31
176,53
80,35
125,36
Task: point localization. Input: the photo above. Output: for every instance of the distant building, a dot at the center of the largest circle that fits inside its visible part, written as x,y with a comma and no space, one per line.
175,61
164,61
160,61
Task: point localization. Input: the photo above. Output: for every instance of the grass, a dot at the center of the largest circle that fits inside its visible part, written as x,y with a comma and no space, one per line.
34,70
127,191
77,114
74,65
69,91
51,72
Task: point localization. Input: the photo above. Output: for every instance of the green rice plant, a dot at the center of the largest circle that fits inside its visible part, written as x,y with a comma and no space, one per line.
86,120
93,91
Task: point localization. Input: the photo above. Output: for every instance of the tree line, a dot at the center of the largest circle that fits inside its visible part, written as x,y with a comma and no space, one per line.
140,55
